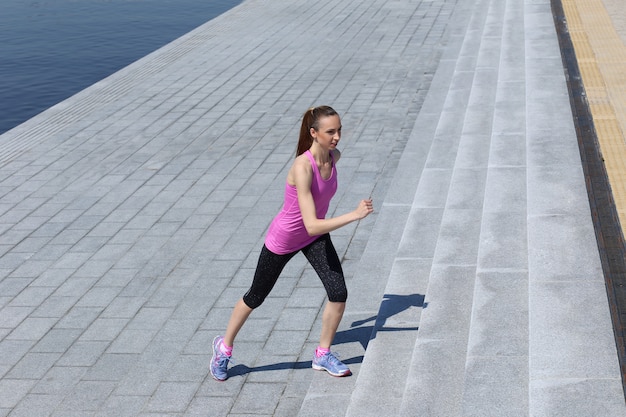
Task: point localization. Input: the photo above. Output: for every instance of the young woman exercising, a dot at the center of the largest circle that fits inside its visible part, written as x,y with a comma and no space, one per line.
301,226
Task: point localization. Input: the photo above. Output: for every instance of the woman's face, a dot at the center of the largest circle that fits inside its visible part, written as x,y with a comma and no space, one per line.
329,132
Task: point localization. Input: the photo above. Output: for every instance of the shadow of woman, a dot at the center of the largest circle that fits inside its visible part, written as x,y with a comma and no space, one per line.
240,369
391,305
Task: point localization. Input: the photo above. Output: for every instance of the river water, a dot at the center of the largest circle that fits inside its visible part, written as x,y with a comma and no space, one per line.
52,49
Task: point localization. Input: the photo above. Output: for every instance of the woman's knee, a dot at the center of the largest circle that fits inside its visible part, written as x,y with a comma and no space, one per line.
338,295
253,300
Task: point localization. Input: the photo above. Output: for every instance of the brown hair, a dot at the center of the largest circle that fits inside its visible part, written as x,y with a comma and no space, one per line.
311,120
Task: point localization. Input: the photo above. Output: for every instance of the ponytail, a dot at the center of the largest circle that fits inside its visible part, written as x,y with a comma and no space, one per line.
310,120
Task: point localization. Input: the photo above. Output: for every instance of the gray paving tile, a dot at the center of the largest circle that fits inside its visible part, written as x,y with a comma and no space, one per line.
13,350
505,190
132,341
32,328
121,406
57,340
257,398
86,396
551,355
548,397
13,390
37,404
501,383
172,397
576,261
83,353
502,246
59,380
500,316
33,366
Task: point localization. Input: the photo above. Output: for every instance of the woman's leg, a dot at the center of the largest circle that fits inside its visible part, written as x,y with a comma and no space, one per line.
238,317
268,269
333,312
323,257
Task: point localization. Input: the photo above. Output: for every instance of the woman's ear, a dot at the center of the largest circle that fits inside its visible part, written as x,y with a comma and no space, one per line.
312,133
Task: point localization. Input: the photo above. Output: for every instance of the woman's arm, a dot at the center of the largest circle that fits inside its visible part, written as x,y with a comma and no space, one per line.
303,176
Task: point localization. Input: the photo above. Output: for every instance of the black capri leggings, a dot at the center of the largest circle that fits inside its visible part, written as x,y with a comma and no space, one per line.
321,254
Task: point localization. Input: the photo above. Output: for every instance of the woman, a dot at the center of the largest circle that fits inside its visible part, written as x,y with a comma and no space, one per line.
301,226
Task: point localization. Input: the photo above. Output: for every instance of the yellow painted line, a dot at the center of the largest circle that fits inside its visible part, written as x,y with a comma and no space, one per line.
601,57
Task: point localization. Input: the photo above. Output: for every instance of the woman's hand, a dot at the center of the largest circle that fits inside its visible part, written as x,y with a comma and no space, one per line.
364,209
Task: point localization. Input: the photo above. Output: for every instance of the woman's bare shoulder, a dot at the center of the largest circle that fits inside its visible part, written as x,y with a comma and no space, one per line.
336,154
301,168
302,162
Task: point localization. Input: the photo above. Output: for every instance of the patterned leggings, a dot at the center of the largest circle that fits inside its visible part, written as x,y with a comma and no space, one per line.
321,254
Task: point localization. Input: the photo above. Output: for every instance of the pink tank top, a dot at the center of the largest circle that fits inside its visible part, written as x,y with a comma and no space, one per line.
287,233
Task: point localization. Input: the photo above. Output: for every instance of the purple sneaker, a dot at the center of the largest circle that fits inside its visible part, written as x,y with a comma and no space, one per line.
219,361
330,364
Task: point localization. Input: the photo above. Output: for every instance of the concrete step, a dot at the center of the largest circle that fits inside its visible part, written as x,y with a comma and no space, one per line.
496,366
463,273
403,241
384,310
573,365
384,380
437,370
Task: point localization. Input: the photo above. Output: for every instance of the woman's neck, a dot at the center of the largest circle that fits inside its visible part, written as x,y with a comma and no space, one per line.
320,155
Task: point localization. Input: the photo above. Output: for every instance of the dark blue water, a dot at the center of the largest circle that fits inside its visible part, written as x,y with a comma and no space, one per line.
52,49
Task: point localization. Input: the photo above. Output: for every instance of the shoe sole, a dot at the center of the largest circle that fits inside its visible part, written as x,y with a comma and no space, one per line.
321,368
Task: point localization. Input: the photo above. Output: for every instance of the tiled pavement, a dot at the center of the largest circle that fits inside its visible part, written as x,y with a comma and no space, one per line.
131,216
